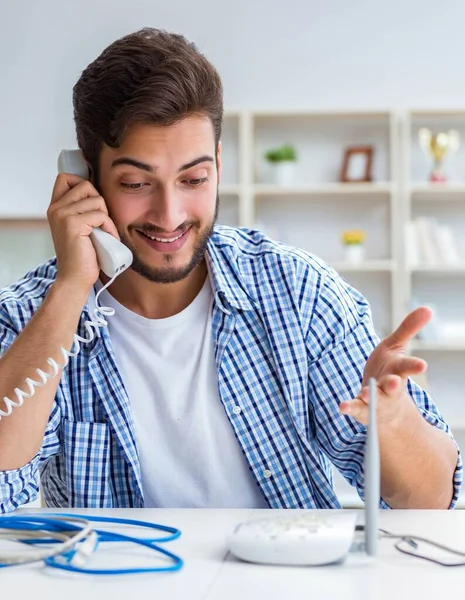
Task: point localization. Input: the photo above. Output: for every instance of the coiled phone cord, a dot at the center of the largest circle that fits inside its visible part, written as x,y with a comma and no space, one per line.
98,321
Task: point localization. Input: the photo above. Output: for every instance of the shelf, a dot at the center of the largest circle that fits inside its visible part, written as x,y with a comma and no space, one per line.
453,190
439,269
329,189
322,114
437,112
368,266
418,345
23,222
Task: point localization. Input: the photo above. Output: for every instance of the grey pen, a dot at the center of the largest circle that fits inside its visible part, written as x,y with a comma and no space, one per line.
372,474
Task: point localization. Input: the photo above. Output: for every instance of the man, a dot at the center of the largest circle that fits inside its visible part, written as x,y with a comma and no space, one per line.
234,370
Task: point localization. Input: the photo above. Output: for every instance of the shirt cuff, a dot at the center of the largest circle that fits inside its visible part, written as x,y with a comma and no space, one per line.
19,486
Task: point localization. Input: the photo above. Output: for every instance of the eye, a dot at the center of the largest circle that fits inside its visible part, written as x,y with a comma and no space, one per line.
196,182
133,186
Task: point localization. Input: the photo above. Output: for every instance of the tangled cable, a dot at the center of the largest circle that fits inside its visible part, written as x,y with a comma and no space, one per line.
70,540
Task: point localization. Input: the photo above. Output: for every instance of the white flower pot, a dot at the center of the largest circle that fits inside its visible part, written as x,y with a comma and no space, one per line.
354,253
283,172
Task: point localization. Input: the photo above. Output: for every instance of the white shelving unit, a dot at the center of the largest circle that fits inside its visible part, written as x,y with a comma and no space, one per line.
329,189
439,285
419,346
368,266
312,212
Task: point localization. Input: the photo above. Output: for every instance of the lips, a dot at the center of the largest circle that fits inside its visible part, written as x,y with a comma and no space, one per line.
170,244
163,240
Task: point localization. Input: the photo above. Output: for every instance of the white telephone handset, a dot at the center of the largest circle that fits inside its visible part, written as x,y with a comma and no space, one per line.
113,256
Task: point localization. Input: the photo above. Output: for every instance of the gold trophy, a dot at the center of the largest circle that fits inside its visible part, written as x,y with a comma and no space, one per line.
438,146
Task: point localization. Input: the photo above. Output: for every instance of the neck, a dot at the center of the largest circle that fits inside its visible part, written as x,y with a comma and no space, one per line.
156,300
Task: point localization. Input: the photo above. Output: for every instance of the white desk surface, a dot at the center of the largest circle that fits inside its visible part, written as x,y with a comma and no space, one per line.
210,573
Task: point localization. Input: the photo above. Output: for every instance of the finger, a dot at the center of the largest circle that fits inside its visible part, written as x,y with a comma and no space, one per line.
85,223
63,183
358,407
389,384
110,228
70,188
355,408
82,206
409,327
385,386
408,365
363,397
364,394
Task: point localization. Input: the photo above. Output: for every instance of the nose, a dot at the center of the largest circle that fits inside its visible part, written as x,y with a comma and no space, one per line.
168,209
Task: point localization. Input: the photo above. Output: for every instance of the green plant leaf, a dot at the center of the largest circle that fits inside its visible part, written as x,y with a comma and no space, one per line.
284,152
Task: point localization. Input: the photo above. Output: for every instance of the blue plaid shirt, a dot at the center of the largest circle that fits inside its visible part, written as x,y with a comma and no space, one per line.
291,341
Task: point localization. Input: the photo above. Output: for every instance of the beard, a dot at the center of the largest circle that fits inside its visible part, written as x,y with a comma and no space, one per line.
170,274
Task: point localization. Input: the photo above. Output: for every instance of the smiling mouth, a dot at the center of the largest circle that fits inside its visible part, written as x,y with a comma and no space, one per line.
164,240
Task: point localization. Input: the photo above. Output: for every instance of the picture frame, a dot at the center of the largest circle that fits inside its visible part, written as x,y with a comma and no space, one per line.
357,163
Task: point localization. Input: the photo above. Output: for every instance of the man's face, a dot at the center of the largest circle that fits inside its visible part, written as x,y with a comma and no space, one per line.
161,190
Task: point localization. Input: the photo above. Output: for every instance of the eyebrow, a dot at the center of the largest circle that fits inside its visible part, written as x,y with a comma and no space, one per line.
125,160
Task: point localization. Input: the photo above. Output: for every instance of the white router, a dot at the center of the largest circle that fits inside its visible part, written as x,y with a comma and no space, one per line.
311,538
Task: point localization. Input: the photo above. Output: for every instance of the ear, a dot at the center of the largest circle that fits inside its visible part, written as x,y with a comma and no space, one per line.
218,161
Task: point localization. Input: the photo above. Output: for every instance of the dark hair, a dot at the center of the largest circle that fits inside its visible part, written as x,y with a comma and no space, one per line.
150,76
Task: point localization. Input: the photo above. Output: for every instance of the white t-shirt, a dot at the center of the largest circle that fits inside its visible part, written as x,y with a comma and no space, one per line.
188,453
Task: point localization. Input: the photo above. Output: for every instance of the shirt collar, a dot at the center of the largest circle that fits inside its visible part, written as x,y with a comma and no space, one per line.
225,276
224,273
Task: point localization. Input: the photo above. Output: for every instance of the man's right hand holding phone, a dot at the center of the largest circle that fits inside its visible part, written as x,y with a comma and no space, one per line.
76,208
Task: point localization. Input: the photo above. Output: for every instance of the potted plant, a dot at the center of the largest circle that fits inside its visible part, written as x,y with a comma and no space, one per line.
353,242
282,161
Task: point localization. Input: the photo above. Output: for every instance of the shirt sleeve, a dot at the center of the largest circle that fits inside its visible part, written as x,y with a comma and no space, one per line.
20,486
341,338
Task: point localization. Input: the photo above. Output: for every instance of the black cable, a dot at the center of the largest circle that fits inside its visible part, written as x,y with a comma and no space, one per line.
413,540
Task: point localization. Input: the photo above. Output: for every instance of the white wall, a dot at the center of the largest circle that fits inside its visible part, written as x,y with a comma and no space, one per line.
271,54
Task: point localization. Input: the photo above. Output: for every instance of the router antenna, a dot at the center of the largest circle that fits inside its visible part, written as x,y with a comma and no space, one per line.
372,475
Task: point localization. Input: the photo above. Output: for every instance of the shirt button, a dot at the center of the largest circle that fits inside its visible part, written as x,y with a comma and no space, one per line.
237,410
267,474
